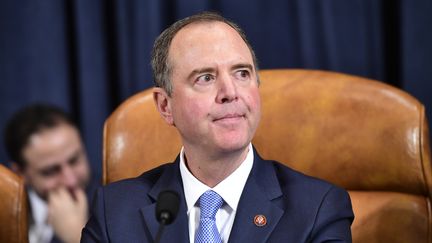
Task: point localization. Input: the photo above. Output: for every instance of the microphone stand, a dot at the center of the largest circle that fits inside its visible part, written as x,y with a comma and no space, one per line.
167,206
164,218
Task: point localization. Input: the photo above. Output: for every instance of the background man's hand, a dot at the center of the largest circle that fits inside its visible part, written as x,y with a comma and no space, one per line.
67,213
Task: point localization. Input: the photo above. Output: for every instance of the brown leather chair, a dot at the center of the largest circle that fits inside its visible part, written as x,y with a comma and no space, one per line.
363,135
13,208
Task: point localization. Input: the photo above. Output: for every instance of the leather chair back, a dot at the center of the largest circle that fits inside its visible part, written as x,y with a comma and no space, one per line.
365,136
13,208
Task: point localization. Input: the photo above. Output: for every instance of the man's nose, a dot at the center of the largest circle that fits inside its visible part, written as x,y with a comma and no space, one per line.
227,89
69,178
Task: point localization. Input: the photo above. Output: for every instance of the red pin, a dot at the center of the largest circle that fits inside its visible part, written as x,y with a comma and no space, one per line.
260,220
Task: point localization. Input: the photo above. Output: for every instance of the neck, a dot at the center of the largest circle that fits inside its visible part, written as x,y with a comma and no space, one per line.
211,170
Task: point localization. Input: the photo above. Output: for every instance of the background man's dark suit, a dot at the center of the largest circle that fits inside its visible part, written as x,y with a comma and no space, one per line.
298,208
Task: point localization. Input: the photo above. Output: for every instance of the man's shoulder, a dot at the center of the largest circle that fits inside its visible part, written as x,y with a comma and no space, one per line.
145,181
146,178
310,205
295,181
132,193
305,193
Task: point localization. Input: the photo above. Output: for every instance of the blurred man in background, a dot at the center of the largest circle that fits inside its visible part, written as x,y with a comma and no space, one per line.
45,147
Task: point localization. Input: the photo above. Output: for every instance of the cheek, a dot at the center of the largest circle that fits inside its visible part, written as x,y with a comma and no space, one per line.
191,110
50,184
254,108
82,170
253,100
42,184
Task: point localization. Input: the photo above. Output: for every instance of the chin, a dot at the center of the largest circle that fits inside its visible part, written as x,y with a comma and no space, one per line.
233,145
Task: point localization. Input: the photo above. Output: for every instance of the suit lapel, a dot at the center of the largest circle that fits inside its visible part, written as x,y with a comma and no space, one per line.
170,179
259,197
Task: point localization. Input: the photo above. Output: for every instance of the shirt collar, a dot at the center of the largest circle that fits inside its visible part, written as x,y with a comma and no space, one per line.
230,189
39,208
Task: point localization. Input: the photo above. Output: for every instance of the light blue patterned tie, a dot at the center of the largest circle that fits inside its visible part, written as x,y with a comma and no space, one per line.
207,232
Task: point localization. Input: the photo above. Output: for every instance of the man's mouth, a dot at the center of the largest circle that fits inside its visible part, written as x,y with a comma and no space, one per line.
229,117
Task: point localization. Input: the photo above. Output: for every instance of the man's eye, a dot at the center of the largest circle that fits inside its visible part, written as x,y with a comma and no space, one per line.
206,78
242,74
75,158
51,171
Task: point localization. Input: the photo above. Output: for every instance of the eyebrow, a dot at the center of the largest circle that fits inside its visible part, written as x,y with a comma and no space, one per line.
57,166
199,71
74,156
46,171
243,65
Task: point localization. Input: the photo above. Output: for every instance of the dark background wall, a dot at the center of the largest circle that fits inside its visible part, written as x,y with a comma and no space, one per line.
87,56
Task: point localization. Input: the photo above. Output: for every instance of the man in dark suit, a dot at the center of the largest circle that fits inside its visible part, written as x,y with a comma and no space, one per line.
207,87
46,149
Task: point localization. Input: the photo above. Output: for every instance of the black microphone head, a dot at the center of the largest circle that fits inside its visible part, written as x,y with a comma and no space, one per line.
167,207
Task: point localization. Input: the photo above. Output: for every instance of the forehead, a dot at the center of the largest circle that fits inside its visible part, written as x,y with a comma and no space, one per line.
210,37
52,145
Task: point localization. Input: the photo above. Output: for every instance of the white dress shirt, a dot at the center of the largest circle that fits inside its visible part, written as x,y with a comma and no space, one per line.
230,189
39,230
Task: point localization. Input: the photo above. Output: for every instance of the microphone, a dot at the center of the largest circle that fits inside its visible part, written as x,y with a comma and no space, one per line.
167,207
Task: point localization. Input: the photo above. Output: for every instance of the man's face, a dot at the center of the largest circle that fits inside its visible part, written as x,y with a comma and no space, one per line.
55,158
215,103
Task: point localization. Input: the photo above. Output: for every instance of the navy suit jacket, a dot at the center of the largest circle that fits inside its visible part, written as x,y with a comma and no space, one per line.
298,208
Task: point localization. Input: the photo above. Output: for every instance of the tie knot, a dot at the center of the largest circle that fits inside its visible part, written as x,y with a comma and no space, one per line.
210,202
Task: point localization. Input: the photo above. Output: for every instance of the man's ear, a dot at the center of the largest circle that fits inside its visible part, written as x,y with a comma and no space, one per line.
16,168
163,104
19,170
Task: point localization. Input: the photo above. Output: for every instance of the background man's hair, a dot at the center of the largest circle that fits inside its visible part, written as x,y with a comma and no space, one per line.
159,58
28,121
